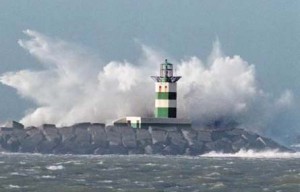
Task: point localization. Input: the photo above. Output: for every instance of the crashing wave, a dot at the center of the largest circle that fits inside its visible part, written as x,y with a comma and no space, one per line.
255,154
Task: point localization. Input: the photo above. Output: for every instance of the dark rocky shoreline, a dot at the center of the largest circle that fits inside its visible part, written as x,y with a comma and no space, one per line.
88,138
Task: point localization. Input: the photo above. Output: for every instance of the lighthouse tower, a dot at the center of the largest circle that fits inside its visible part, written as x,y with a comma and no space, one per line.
166,92
165,104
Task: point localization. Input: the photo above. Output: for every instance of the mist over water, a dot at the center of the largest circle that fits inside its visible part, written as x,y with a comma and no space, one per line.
75,85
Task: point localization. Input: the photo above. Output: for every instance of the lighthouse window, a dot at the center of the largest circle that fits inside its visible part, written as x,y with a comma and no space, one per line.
159,88
166,87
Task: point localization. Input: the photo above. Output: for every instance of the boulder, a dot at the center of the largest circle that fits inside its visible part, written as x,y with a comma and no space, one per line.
67,140
101,151
82,141
239,144
195,146
128,137
5,135
159,140
204,135
31,142
115,140
158,136
113,135
84,125
222,145
52,139
148,150
218,134
177,143
12,124
143,137
98,136
190,136
235,132
16,135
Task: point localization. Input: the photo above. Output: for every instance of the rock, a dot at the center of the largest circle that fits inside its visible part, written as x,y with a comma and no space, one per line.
101,151
195,146
159,140
115,141
5,135
52,139
148,150
250,137
239,144
177,144
113,135
82,141
235,132
273,145
135,151
217,135
158,136
118,149
143,137
67,140
190,135
13,142
195,149
204,135
128,137
12,124
31,142
84,125
223,145
98,135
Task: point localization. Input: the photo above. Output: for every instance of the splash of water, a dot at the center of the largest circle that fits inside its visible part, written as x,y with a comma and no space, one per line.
272,154
75,86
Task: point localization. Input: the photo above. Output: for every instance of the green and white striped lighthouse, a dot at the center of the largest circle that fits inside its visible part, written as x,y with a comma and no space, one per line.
166,92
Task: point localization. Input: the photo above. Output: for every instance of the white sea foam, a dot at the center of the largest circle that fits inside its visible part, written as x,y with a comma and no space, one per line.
55,167
48,177
106,181
218,185
14,186
18,174
275,154
213,174
100,163
150,164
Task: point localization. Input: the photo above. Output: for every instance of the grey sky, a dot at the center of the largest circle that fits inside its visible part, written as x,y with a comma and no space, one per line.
264,33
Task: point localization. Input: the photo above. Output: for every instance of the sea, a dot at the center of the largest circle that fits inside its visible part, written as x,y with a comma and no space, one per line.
245,171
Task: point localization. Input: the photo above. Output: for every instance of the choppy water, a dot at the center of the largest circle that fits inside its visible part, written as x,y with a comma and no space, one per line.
244,171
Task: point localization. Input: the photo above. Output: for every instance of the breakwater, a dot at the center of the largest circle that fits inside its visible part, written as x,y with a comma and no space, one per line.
88,138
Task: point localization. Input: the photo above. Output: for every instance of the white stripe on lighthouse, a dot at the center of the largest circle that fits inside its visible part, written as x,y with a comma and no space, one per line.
162,103
165,87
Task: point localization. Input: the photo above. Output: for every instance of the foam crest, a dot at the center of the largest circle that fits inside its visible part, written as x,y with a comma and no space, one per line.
271,154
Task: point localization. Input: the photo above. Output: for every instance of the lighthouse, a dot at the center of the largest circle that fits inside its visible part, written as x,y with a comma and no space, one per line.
166,92
165,112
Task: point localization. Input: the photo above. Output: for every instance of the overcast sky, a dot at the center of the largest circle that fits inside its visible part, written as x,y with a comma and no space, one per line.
264,33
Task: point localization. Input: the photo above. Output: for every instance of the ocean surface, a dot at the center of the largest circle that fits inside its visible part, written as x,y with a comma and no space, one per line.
243,171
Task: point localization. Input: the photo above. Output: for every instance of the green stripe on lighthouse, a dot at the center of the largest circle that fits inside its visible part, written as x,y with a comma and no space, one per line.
165,112
166,95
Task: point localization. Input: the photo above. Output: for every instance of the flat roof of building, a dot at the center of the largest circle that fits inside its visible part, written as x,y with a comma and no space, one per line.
149,120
